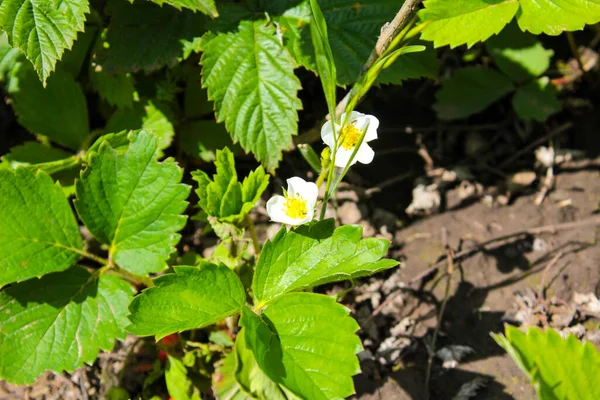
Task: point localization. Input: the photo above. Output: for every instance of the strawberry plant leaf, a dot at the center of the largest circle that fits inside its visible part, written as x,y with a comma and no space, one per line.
558,368
518,54
191,298
552,17
536,100
116,89
207,7
305,342
58,110
59,322
224,382
465,21
33,153
179,384
166,32
132,203
469,91
223,197
43,29
38,231
257,99
152,116
315,254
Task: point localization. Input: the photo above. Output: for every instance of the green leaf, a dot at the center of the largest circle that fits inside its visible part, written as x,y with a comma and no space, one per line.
305,342
250,377
59,322
323,55
224,382
257,99
558,368
133,204
536,100
38,231
315,254
43,29
117,89
118,141
34,153
58,111
469,91
465,21
179,384
552,17
207,7
191,298
195,103
165,32
73,60
518,54
224,197
9,57
152,116
201,139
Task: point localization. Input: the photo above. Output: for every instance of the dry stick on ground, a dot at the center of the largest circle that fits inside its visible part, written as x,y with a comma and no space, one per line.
388,33
532,231
554,260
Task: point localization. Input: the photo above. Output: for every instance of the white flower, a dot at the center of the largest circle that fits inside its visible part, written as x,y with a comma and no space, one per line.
297,206
349,137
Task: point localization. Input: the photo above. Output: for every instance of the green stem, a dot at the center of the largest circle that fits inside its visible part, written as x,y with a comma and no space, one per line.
322,176
91,256
253,235
575,51
133,277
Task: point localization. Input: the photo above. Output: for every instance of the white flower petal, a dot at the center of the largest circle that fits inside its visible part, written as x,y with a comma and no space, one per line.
372,130
365,154
342,156
296,186
327,134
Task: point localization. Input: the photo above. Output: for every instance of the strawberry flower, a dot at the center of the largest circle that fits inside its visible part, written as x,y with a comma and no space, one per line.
349,137
297,205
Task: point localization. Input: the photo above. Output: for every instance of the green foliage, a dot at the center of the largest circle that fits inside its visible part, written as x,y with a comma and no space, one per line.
471,21
558,368
38,230
224,197
58,111
519,55
323,55
33,153
42,29
59,322
465,21
536,100
315,254
301,359
201,139
257,99
116,89
151,116
207,7
145,36
179,384
192,297
225,384
132,203
470,90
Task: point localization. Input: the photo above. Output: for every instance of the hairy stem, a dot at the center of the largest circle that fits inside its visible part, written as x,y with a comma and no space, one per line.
133,277
93,257
253,235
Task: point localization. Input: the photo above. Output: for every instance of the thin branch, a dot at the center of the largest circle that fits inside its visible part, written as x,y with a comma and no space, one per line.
388,33
482,247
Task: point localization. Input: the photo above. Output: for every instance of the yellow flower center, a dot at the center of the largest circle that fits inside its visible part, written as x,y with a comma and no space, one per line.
350,136
295,207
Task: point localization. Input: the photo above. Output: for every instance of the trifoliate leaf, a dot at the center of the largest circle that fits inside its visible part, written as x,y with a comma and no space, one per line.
133,203
59,322
191,298
152,116
536,100
223,197
552,17
465,21
249,376
315,254
38,231
469,91
518,54
305,342
353,29
58,111
558,368
117,89
257,99
165,32
43,29
207,7
179,384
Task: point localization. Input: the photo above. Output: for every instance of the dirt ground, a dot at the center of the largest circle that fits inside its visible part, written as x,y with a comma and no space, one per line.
523,278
